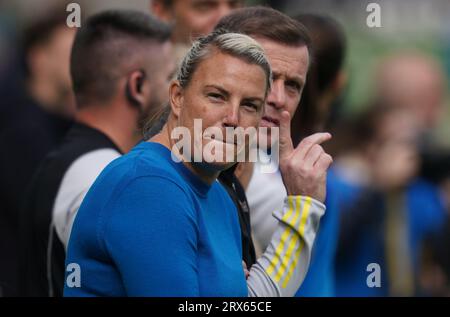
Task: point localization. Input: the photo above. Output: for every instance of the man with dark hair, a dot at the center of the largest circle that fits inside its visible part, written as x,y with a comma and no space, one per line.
38,106
120,68
283,32
287,45
265,191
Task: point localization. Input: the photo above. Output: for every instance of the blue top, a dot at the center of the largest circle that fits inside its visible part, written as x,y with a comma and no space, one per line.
150,227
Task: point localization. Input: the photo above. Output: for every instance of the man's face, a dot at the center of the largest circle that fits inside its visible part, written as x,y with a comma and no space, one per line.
159,72
195,18
289,66
224,91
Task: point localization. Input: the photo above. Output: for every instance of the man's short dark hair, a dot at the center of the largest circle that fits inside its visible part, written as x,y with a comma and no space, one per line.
266,23
105,42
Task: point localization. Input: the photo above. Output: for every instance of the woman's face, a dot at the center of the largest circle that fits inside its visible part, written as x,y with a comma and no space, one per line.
224,92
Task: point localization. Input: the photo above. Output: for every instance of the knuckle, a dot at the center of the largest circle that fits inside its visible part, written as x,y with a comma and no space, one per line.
318,148
289,163
308,174
329,158
290,166
303,170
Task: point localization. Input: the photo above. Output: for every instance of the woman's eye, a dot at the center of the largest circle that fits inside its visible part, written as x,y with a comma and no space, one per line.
215,96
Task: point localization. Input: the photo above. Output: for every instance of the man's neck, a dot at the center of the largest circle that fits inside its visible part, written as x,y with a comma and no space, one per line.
121,130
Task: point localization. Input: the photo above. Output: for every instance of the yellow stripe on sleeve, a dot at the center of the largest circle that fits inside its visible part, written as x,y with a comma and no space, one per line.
284,236
299,250
285,261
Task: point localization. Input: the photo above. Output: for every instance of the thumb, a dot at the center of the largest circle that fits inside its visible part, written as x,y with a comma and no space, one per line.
286,147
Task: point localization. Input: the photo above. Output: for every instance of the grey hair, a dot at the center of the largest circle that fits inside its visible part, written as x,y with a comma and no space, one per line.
235,44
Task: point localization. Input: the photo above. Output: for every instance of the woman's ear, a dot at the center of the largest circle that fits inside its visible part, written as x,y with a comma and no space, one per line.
176,97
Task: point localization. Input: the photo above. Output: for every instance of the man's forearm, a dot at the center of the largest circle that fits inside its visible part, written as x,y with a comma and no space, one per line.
283,266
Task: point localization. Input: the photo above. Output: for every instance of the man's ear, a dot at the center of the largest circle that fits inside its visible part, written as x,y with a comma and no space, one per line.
176,97
162,11
135,90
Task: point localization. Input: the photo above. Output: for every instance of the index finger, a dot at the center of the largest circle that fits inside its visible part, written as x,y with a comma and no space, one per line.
307,143
286,146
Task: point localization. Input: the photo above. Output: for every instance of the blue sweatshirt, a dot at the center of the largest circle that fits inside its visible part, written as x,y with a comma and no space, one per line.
150,227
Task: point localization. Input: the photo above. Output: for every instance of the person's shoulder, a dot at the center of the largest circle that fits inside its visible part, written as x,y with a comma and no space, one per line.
141,185
80,174
145,159
219,193
92,163
147,162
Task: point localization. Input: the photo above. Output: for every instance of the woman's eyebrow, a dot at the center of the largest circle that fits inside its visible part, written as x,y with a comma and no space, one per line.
227,94
221,89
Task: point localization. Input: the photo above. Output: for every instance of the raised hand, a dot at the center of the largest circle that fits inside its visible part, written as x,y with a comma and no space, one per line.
304,168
